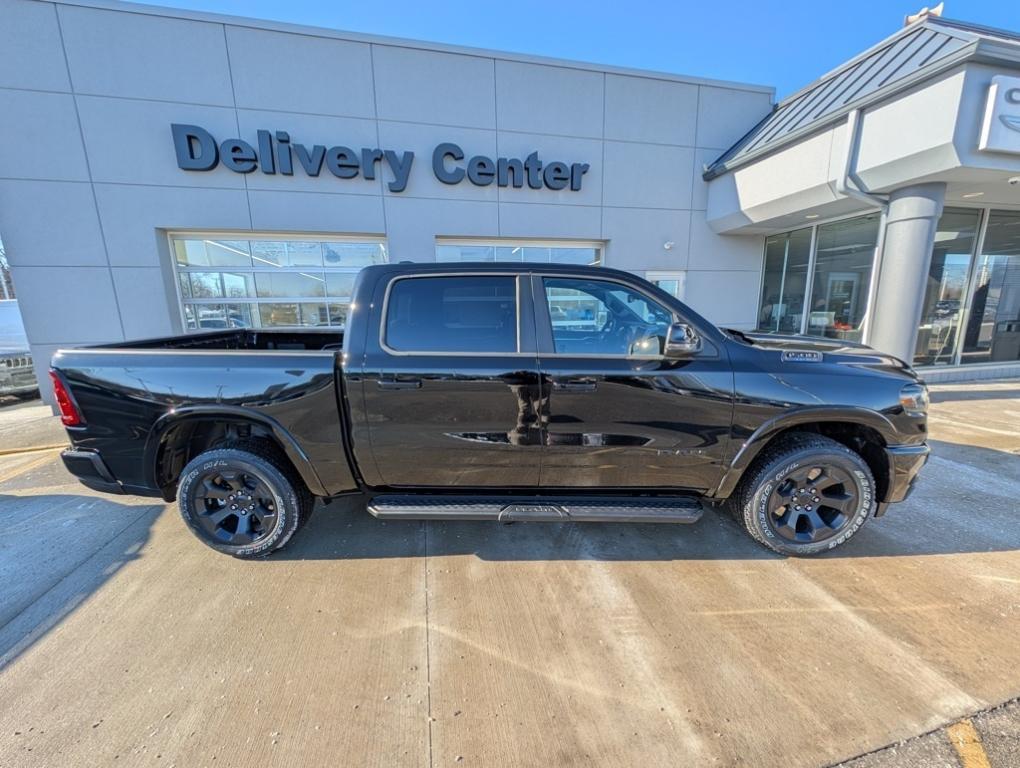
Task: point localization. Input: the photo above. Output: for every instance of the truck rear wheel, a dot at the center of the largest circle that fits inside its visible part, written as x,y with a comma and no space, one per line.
806,495
243,501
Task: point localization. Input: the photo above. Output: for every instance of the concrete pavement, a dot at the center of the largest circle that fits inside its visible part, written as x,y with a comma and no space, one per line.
123,641
28,424
991,738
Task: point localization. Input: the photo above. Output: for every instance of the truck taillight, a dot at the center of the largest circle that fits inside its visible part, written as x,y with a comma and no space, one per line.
69,413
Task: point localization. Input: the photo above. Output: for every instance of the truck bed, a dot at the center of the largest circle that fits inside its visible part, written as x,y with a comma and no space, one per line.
242,339
135,394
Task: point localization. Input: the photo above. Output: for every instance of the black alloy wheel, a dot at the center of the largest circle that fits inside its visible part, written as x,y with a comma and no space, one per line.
243,500
234,507
813,503
805,494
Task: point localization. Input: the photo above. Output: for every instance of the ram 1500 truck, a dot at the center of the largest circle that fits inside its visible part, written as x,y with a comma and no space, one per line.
510,392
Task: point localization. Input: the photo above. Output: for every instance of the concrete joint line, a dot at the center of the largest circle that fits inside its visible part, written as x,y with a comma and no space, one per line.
428,641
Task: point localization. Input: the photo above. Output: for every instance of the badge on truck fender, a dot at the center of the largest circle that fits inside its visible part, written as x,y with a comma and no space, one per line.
801,356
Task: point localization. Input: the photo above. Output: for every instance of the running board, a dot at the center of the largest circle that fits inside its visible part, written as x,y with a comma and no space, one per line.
606,509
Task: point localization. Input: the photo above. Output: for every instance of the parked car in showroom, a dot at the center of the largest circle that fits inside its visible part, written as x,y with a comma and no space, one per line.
458,392
17,377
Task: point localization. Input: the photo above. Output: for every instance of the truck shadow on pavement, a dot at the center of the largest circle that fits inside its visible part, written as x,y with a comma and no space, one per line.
45,578
62,548
965,502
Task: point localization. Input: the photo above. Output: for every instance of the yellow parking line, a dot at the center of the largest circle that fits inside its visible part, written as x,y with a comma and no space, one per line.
36,449
967,743
23,468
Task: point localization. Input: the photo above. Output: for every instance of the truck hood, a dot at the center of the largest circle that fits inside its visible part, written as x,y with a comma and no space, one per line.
832,350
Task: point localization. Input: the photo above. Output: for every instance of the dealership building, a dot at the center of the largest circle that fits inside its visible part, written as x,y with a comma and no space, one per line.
166,171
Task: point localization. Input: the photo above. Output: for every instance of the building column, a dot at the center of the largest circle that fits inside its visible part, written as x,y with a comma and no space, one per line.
910,226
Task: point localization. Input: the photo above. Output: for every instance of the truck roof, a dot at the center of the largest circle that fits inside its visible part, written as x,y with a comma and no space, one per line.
378,272
513,267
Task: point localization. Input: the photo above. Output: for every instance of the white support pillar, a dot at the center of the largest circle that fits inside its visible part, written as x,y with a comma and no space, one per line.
910,227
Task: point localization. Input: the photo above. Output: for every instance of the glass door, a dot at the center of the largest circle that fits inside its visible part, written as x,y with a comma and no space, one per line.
992,331
938,332
784,282
844,258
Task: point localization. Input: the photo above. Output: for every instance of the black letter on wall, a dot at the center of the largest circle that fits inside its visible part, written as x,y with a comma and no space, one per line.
238,156
556,175
342,162
439,168
401,167
188,139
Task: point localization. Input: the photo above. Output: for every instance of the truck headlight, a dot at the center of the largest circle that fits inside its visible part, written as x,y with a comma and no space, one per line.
914,399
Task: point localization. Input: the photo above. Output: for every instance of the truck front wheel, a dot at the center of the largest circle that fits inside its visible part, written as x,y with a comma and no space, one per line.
805,495
242,501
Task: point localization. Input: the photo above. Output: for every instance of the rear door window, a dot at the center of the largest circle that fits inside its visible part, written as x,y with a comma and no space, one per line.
474,314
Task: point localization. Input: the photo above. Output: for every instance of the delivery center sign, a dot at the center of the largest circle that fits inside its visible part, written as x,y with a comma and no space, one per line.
275,152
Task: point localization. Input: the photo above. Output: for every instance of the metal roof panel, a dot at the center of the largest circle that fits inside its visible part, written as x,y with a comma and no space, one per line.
867,78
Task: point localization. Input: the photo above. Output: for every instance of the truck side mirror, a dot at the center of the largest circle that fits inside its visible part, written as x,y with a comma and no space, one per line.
683,341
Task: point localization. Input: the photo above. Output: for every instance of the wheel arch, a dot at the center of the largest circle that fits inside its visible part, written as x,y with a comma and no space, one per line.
863,431
182,434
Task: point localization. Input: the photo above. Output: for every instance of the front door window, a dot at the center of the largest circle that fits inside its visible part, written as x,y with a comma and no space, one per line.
599,318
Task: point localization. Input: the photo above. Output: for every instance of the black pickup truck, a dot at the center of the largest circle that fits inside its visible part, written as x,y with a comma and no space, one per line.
510,392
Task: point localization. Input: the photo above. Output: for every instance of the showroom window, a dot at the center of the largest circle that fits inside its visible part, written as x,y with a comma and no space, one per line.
971,309
817,280
992,330
673,283
6,284
844,258
266,281
784,285
952,255
581,253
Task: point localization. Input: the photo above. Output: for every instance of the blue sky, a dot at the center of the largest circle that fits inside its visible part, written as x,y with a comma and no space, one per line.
781,44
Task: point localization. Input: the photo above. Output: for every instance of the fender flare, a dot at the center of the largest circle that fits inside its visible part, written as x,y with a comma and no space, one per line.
753,445
176,417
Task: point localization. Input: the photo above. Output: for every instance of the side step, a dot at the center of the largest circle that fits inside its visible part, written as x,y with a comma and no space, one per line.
607,509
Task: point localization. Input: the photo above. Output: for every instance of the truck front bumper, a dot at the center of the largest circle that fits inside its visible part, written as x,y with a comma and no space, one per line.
91,470
905,461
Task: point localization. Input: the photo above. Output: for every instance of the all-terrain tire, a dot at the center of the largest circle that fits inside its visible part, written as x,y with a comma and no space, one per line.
283,498
754,501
